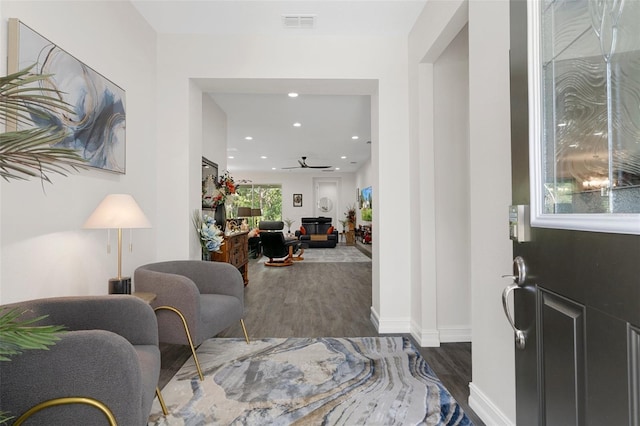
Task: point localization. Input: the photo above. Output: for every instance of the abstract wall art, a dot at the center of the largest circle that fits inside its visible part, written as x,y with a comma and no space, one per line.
95,125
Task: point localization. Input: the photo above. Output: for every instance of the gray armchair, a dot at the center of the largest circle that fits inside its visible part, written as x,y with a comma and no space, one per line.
109,353
195,299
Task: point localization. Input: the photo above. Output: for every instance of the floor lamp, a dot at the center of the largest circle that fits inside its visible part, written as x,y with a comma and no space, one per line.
118,211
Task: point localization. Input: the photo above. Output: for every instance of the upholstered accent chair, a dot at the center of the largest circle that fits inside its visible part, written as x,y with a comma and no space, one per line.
276,247
108,355
195,300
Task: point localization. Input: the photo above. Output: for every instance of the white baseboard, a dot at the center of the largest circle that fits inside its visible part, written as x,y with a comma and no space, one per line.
486,409
455,334
425,338
375,318
389,326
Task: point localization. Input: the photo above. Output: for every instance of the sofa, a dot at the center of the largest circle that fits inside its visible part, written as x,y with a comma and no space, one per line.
317,232
109,352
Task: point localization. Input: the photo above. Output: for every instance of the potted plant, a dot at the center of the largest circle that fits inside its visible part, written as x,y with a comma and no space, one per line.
351,217
289,222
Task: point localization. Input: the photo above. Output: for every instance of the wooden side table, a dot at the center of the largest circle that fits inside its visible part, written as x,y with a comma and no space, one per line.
235,251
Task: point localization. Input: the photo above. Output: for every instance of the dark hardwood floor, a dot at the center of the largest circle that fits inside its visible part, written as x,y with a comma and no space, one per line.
330,300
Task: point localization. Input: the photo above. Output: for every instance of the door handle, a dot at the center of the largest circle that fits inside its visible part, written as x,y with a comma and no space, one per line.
519,276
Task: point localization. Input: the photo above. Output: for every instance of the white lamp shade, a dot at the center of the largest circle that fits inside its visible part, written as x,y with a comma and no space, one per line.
117,211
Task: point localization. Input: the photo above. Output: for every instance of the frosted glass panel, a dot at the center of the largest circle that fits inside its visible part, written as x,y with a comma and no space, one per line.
590,89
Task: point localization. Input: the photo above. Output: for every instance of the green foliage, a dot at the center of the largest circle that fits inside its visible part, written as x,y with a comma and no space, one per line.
17,335
30,153
268,198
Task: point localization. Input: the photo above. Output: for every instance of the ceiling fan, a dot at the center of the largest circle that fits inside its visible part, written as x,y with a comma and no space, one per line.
304,165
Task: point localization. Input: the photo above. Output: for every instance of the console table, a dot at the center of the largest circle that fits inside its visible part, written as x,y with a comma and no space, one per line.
235,251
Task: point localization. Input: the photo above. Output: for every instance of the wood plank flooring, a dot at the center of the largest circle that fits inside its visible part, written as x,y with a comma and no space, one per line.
324,300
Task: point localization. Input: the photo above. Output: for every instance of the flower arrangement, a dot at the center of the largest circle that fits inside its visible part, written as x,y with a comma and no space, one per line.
209,234
224,187
351,214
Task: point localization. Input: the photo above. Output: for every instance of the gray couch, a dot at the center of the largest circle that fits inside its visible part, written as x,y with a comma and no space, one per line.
109,353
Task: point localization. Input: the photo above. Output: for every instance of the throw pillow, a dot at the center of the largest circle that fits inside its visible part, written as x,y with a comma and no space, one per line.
330,230
303,231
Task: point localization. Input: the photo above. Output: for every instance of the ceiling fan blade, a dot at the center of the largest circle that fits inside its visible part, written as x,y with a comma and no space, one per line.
319,167
296,167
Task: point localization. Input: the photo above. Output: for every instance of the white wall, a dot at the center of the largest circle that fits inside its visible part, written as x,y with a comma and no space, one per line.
181,57
302,182
44,250
451,172
493,386
214,133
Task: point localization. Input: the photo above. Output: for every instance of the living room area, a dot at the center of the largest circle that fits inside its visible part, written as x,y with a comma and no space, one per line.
170,76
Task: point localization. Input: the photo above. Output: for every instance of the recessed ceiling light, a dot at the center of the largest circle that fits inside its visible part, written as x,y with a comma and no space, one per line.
293,95
337,168
273,168
264,157
354,137
297,124
231,157
248,138
343,157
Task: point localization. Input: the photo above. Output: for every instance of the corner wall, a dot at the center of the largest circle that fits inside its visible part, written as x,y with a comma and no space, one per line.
489,190
493,387
44,250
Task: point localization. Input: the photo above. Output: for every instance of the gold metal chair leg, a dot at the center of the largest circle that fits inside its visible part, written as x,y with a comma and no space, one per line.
186,330
161,400
244,330
65,401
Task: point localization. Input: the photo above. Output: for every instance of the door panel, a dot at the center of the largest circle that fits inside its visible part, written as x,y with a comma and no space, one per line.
607,369
562,355
580,306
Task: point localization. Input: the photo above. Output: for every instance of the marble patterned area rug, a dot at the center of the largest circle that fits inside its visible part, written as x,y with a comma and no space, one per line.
339,253
308,381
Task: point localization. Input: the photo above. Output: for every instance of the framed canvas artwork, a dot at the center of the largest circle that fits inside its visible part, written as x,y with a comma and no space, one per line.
95,123
297,200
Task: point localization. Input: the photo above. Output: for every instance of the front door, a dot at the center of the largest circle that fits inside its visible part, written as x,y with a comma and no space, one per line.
579,305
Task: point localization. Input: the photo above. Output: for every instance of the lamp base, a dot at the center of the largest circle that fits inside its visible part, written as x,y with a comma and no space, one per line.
120,285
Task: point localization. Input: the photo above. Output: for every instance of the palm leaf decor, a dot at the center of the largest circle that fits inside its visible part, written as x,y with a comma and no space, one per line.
18,335
24,154
25,99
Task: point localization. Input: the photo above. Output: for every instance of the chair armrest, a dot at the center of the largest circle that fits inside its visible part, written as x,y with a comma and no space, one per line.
171,289
87,363
125,315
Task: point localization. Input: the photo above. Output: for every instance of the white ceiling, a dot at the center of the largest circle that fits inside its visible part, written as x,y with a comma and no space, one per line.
331,112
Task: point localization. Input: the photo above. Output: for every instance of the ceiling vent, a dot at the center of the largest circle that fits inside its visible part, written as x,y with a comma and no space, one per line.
305,22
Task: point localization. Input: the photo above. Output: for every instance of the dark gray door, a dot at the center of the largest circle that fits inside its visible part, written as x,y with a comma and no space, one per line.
579,306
